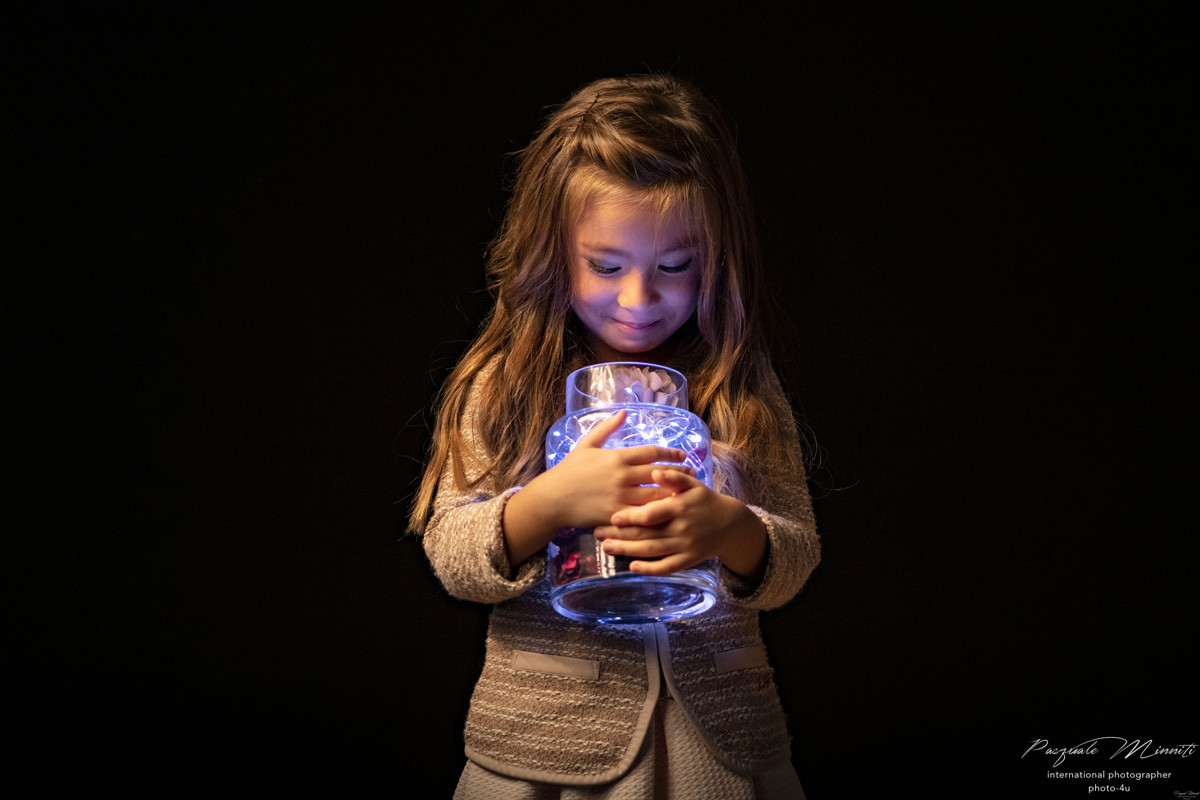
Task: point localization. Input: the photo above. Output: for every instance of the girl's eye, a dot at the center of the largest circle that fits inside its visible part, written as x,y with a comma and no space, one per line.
599,268
673,270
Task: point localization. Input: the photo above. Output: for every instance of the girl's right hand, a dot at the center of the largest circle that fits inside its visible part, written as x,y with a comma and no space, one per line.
592,483
585,489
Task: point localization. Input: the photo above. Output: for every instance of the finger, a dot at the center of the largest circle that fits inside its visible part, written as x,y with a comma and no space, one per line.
675,478
602,532
627,533
664,566
646,514
600,432
643,474
648,548
641,495
649,453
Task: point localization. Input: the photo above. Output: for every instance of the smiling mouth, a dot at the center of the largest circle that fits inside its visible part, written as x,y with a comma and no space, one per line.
635,326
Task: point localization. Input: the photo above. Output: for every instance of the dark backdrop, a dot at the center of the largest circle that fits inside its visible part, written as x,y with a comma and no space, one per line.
251,248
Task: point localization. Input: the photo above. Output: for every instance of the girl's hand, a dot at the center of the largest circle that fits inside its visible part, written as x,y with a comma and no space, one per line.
585,489
693,525
592,483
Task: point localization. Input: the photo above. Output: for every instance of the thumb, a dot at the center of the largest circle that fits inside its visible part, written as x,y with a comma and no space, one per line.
600,432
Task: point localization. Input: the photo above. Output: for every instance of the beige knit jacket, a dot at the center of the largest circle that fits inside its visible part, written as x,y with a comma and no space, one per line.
570,703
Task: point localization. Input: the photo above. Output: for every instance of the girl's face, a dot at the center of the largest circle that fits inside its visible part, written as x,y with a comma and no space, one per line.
635,277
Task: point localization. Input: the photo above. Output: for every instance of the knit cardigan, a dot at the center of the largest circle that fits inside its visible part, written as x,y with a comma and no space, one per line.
569,702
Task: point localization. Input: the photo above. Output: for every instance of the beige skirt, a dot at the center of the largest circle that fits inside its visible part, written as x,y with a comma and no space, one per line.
673,764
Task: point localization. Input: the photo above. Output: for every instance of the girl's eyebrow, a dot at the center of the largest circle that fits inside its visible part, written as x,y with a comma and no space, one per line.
616,251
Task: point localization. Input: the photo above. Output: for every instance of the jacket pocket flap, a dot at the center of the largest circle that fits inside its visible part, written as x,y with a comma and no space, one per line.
742,658
556,665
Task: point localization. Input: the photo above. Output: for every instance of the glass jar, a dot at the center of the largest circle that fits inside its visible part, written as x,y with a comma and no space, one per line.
586,584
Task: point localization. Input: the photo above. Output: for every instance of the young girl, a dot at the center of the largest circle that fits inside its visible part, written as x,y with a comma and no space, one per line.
628,237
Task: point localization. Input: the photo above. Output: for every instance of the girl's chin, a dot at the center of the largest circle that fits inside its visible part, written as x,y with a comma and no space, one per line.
612,345
623,349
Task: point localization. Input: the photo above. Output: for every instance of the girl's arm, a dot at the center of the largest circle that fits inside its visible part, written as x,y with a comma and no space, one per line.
464,542
768,551
464,538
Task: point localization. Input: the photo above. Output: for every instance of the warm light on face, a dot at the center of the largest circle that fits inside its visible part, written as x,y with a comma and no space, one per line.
635,276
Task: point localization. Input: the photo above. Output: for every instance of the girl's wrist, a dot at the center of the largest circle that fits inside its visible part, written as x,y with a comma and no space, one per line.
542,505
747,547
528,522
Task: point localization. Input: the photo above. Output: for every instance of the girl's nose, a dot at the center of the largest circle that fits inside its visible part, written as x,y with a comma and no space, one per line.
637,291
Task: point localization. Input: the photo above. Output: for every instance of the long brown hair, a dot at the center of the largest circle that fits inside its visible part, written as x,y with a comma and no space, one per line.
659,135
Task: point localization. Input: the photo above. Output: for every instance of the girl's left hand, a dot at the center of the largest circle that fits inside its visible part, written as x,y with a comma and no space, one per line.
687,528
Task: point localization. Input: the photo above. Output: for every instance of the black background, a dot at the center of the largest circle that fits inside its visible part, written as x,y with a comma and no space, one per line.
250,246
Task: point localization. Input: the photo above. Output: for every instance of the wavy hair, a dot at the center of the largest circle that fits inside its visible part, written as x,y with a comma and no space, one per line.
660,136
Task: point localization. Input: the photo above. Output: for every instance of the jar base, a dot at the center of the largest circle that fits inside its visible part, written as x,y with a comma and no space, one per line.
632,599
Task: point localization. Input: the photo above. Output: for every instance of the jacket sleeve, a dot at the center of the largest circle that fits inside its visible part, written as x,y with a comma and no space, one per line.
464,539
793,547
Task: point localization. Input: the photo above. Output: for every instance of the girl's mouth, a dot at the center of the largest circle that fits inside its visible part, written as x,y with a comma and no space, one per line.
635,327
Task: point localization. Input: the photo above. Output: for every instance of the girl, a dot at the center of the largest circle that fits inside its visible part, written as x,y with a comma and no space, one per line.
628,236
